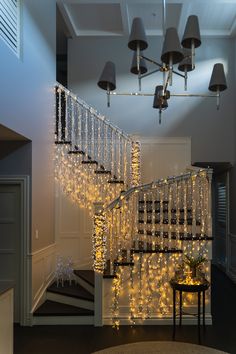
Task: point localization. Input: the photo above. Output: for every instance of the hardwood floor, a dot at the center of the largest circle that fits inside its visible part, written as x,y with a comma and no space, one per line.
86,339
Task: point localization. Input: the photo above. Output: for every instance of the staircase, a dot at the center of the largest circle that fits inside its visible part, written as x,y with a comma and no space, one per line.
93,165
68,304
141,232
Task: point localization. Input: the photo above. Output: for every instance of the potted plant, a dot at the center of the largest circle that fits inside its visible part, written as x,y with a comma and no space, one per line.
194,263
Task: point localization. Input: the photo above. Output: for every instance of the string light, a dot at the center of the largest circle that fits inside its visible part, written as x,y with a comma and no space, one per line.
156,221
149,214
135,164
99,243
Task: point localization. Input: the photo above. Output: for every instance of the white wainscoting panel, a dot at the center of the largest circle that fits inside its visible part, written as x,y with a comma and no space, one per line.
43,268
231,257
74,228
163,157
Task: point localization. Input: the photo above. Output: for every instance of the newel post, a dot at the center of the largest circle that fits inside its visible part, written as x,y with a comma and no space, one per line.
135,163
99,260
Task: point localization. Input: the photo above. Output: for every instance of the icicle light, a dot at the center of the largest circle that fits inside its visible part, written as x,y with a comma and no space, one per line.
99,243
135,164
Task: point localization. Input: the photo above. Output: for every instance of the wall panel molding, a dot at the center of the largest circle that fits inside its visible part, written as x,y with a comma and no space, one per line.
43,268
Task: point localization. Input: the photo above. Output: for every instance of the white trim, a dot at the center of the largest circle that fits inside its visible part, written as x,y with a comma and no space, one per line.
98,300
168,320
43,250
68,300
25,264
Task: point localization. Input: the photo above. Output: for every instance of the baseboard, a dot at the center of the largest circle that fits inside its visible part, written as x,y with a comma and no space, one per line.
62,320
168,320
41,294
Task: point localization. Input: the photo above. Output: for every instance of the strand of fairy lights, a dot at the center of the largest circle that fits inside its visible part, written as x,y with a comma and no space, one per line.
80,182
99,243
135,164
145,294
159,267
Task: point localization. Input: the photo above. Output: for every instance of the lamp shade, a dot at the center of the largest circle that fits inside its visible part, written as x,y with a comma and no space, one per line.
171,47
186,63
218,80
107,80
142,65
137,35
160,101
191,32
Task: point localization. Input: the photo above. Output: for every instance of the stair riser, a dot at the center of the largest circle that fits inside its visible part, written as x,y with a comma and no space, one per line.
85,285
89,305
63,320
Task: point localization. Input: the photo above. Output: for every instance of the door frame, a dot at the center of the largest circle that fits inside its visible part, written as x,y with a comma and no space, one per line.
25,245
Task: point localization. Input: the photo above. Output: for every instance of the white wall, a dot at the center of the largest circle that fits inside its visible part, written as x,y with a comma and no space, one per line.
73,231
27,105
212,131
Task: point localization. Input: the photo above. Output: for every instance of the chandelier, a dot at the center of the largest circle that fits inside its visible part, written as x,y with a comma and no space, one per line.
173,52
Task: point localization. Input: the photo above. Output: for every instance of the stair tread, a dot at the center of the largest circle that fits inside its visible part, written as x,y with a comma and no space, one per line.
53,308
74,290
86,275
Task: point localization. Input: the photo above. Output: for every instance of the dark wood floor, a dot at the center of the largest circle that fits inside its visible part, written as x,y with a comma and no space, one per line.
86,339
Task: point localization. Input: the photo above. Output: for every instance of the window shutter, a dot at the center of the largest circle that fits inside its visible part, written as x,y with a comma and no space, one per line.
10,24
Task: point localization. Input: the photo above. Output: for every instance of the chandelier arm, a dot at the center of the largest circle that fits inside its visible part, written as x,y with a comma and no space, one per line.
131,94
193,95
150,73
176,72
172,94
151,61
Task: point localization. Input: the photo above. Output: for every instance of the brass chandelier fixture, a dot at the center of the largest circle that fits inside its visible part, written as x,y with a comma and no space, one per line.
173,52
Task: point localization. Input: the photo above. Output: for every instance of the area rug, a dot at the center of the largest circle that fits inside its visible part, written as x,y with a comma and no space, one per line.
159,348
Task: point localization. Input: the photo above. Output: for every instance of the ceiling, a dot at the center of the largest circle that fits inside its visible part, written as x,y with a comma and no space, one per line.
217,18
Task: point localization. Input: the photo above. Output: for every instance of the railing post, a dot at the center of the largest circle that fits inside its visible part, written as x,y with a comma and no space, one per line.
98,303
135,163
99,247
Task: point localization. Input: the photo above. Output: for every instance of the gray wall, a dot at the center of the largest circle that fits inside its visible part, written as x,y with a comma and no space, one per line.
18,161
27,106
212,131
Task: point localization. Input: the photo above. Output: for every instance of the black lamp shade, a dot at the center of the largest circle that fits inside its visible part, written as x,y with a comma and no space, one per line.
160,101
107,80
137,35
171,47
186,63
218,80
142,65
191,32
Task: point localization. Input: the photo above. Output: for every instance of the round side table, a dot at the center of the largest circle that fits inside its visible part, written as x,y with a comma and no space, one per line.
199,289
